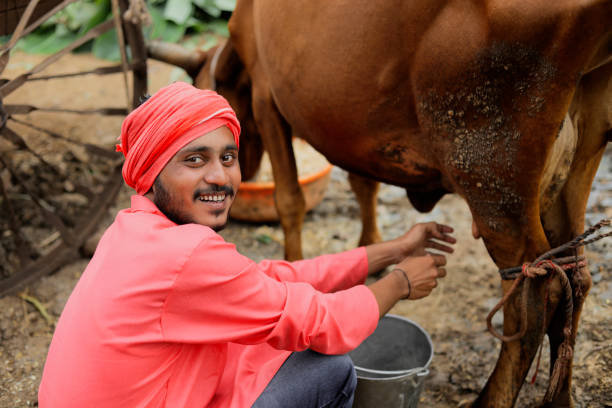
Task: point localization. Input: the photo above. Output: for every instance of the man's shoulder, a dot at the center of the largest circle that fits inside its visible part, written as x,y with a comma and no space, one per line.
156,231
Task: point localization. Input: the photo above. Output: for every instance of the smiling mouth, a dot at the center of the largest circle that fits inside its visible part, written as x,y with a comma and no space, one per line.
212,198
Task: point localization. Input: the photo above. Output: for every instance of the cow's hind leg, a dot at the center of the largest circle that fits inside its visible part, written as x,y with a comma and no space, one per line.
366,191
276,137
516,356
573,198
569,207
560,393
565,219
590,113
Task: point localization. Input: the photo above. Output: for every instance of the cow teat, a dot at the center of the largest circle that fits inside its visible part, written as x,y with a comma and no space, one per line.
475,231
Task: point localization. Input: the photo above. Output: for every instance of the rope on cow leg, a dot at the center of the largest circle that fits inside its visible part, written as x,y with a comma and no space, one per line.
527,272
567,262
565,351
537,367
558,266
578,241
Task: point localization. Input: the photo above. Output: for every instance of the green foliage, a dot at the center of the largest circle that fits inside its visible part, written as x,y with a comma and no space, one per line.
171,21
106,47
263,238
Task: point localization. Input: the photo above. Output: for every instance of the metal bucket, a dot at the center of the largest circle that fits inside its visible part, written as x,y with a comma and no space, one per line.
392,364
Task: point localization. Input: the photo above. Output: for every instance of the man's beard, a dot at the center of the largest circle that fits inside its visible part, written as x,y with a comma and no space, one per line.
163,200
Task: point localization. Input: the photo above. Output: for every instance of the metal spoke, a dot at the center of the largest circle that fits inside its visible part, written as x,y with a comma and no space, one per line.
14,84
97,71
14,138
92,148
25,109
7,47
65,196
24,249
17,33
64,252
47,209
20,143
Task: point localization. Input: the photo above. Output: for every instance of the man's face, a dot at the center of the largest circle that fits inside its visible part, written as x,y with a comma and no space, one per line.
199,183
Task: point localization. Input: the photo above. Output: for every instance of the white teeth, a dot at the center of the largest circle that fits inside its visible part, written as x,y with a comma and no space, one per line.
212,198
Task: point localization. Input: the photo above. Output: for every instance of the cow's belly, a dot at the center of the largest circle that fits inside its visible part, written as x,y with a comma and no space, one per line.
384,157
348,91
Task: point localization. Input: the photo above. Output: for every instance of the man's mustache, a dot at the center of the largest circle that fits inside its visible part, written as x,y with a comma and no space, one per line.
228,190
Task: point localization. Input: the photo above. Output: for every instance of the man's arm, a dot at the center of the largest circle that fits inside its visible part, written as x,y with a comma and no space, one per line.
326,273
417,270
222,296
415,242
329,273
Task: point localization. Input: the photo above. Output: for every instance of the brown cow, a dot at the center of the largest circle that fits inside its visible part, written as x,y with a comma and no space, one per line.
220,69
443,96
505,103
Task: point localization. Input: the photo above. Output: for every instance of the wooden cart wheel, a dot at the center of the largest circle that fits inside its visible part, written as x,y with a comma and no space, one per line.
51,202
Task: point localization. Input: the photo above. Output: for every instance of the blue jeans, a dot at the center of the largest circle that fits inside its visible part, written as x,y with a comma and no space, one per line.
308,379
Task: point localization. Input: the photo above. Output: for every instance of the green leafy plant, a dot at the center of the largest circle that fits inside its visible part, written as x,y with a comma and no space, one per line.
171,21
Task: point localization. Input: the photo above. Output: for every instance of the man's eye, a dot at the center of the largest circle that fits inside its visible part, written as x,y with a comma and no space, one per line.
229,157
194,159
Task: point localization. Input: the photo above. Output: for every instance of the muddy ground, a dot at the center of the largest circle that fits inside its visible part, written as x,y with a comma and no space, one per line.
454,314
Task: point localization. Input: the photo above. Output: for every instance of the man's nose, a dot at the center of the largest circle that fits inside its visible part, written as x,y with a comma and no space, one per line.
216,174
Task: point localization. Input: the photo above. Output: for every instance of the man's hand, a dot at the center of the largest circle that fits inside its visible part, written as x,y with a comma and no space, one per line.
413,278
415,242
420,274
425,236
416,271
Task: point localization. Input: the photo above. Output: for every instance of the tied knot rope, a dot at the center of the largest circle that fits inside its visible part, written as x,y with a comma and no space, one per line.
530,271
565,351
559,267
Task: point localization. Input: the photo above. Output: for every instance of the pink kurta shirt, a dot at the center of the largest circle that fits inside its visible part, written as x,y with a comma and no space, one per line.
173,316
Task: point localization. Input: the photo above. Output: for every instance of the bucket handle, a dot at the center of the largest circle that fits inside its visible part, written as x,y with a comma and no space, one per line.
422,372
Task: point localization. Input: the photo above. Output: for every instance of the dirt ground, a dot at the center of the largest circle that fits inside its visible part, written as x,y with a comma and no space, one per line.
454,315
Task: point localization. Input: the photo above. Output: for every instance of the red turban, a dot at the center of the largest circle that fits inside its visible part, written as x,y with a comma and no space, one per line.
173,117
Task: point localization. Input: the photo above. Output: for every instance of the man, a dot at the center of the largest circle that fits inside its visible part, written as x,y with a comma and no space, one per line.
167,314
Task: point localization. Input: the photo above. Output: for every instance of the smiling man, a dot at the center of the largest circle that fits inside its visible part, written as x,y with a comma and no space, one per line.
199,183
168,314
